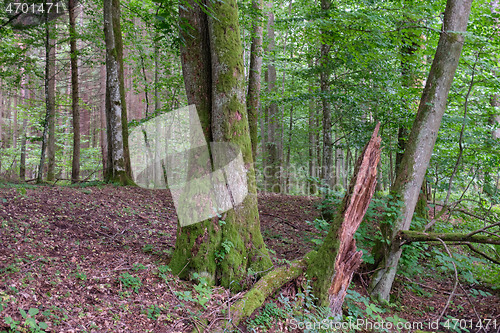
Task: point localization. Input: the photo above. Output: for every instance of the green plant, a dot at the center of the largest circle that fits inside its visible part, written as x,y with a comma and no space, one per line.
226,246
29,322
137,267
130,281
203,290
148,248
154,312
267,315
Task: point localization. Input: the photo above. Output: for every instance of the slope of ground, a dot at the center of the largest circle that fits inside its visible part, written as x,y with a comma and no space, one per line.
94,259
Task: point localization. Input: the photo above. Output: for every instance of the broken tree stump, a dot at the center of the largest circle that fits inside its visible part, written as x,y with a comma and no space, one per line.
332,268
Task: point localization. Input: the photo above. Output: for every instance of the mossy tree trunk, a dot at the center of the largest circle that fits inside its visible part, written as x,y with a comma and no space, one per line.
118,163
423,136
228,249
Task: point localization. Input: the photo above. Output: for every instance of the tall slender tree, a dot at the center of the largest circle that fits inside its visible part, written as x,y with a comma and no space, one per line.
75,164
254,79
423,136
118,161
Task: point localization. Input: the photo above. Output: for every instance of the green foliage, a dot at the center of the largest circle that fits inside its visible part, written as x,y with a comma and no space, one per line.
225,248
267,315
30,323
130,281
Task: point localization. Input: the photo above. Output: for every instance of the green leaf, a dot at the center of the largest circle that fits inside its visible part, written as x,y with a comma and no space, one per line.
33,311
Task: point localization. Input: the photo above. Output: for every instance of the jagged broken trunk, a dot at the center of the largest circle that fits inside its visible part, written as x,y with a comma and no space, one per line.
332,268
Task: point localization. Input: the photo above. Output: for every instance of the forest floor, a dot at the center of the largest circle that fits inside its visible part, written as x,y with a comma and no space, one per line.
93,259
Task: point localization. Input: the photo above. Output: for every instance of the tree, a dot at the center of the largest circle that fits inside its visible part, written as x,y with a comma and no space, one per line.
118,159
254,80
272,154
327,164
226,249
48,135
75,164
423,136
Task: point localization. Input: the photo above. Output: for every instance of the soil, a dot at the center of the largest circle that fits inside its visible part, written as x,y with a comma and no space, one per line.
92,259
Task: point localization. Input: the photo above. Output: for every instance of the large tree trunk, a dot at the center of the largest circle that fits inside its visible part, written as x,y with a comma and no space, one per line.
222,249
423,135
118,169
254,80
75,164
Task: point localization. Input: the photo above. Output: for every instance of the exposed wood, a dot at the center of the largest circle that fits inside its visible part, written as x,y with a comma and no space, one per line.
348,258
331,270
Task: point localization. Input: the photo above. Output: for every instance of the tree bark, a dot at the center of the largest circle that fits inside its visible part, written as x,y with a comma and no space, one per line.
423,136
75,164
212,61
51,146
312,144
272,169
49,97
118,169
254,80
414,236
337,259
327,165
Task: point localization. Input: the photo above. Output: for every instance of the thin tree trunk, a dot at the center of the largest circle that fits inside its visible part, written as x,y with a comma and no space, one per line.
49,74
327,165
423,136
254,80
75,164
51,147
272,170
312,144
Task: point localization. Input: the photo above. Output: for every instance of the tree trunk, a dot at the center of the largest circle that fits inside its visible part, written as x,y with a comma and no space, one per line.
423,136
118,169
223,250
272,170
327,165
51,147
75,164
332,268
49,96
312,144
254,80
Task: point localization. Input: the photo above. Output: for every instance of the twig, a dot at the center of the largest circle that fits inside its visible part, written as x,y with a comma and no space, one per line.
473,307
456,282
473,249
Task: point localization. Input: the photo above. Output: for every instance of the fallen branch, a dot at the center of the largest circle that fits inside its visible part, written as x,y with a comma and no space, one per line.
408,236
267,286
